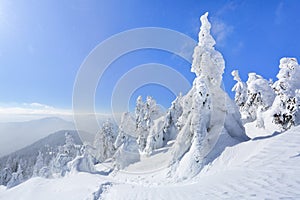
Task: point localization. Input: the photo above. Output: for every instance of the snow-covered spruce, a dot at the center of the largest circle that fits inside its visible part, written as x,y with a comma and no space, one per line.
253,97
164,128
260,95
83,162
240,89
65,154
285,108
145,114
104,142
207,110
16,178
126,143
40,169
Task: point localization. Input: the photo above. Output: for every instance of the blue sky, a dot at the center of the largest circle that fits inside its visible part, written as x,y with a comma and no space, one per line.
43,43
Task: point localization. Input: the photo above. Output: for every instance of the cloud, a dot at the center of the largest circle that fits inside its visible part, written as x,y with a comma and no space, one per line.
279,13
228,7
32,109
238,48
16,112
221,30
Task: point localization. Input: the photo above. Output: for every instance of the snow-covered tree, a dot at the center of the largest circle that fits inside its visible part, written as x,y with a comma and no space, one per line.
199,123
16,178
286,104
66,153
6,172
145,114
127,148
39,164
206,109
260,97
205,56
5,175
240,89
165,128
104,142
83,162
40,168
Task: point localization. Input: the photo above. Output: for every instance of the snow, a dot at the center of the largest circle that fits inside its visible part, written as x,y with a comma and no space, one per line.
264,168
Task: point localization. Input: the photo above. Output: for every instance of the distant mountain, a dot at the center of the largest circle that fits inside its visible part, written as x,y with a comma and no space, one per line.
16,135
51,141
27,156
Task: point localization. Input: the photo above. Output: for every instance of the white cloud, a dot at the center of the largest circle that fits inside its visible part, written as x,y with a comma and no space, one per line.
29,111
279,13
220,30
228,7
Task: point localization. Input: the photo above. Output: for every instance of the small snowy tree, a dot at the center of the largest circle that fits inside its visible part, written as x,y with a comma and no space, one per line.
126,144
286,104
84,162
65,154
39,164
104,142
17,178
40,168
164,129
145,113
240,89
5,175
260,97
170,127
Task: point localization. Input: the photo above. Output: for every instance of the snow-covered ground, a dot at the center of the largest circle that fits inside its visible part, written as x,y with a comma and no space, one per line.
266,167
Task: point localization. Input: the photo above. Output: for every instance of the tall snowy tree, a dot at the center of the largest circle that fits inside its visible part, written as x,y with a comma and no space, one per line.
205,114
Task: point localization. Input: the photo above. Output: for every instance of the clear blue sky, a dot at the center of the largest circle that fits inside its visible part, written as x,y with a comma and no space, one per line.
43,43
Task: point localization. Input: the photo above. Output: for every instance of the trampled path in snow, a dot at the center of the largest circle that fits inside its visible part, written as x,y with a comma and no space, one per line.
266,167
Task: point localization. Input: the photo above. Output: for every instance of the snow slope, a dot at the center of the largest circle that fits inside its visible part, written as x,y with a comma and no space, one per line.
266,167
